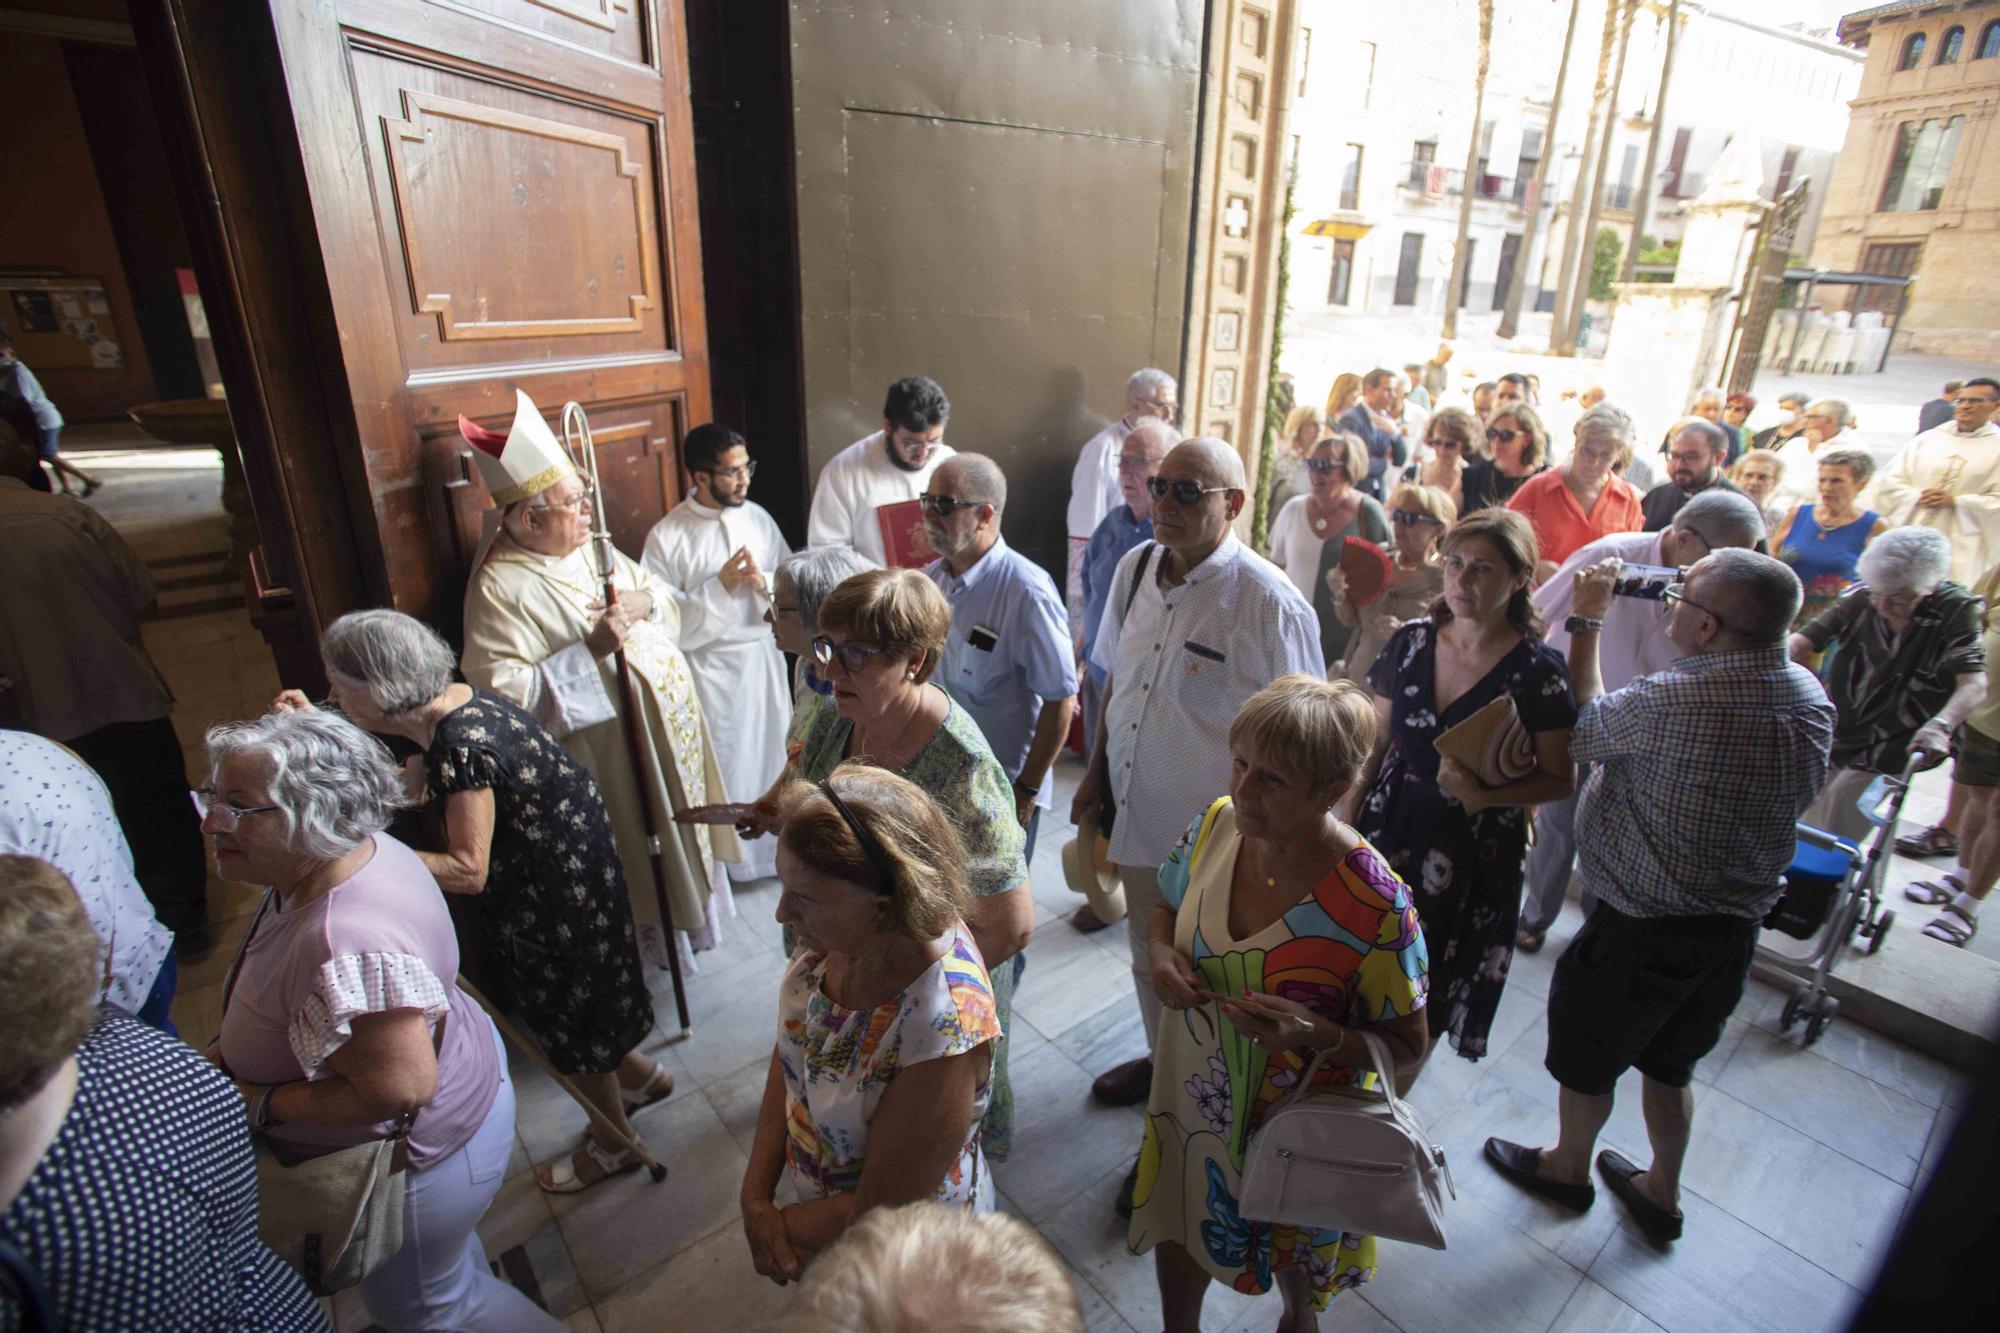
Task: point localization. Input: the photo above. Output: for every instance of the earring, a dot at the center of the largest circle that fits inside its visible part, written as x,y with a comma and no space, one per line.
911,675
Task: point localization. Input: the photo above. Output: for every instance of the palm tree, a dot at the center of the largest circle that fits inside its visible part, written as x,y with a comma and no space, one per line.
1517,284
1565,340
1455,287
1643,205
1566,293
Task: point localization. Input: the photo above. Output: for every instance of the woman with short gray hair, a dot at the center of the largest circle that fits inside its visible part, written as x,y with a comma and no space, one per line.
1909,666
527,833
1823,542
798,586
342,1020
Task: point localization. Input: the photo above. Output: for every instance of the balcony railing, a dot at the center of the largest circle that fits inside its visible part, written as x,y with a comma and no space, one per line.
1428,178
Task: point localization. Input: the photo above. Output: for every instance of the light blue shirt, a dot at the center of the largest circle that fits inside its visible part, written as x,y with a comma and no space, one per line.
1008,652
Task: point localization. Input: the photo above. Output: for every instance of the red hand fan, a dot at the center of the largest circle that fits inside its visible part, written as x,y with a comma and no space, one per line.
1367,568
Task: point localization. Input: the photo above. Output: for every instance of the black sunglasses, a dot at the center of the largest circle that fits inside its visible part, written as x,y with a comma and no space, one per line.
1440,442
1184,491
945,504
852,655
1409,518
1322,465
1502,436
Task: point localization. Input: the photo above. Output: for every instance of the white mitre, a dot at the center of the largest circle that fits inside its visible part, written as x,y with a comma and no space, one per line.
524,462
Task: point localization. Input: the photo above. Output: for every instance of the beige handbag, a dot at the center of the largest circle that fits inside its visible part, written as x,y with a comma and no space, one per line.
1348,1158
337,1217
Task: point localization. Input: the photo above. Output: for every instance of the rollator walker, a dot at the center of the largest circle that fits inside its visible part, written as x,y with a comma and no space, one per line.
1833,900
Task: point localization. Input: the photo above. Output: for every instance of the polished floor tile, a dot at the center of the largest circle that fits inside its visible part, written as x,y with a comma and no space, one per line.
1592,1309
1493,1278
1851,1114
1063,1141
709,1285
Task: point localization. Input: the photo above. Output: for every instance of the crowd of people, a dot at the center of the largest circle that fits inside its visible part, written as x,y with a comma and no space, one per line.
1341,782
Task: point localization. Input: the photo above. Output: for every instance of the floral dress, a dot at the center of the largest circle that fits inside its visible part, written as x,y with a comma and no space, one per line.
557,920
837,1062
958,771
1353,954
1466,870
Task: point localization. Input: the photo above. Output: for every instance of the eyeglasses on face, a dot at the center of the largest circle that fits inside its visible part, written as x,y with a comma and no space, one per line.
746,470
1693,457
581,500
227,816
1184,491
1322,466
945,505
1676,593
1501,436
911,441
1441,442
1409,518
853,656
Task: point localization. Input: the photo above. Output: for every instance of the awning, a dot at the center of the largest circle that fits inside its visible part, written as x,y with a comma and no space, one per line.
1339,231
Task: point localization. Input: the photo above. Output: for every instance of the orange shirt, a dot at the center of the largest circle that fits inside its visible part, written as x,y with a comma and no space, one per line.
1560,524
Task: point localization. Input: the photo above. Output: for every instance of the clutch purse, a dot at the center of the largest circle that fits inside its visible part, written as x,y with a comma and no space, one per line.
1367,568
1492,744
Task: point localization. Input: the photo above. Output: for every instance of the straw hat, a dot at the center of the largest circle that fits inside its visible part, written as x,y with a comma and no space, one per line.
1087,867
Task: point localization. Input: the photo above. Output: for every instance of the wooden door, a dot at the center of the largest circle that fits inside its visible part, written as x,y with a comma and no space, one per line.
503,193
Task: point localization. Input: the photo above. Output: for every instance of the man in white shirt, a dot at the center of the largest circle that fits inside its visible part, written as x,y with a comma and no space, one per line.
714,554
1093,484
1632,642
1948,478
888,469
1196,624
1827,421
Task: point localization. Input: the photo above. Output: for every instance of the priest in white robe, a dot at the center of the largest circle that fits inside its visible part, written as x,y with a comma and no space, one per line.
538,631
713,555
1948,478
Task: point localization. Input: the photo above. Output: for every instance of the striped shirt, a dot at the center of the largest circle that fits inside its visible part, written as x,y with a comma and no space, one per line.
1701,772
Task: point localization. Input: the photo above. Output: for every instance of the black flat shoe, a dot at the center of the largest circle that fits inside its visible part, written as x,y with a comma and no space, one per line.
1125,1191
1659,1225
1523,1166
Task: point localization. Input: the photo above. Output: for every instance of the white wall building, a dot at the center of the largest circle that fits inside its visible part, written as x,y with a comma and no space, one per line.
1384,107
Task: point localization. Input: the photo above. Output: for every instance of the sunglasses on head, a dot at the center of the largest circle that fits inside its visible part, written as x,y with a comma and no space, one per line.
1321,465
853,656
1184,491
1502,436
945,504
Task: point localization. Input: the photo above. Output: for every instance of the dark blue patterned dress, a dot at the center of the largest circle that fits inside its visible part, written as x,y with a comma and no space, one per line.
1464,870
558,922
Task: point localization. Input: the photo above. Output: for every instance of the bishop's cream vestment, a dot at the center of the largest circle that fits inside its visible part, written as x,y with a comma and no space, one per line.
526,616
1967,464
738,672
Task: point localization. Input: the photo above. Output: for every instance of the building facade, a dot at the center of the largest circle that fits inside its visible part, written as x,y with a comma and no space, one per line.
1382,120
1917,190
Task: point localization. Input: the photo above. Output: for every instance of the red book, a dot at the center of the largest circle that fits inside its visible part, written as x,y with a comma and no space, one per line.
903,541
1367,568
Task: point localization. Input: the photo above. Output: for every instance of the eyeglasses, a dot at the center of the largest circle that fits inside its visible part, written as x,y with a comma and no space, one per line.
1321,465
1439,442
1409,518
1675,593
227,816
1184,491
578,501
908,440
1695,458
853,657
1501,436
745,470
945,505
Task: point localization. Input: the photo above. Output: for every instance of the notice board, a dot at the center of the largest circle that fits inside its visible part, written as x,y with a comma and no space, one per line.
61,323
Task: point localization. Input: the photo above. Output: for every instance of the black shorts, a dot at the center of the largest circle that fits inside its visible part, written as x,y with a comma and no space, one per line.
1650,992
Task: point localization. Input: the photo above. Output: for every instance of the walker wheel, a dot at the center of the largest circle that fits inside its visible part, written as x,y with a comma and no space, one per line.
657,1171
1881,931
1821,1018
1794,1003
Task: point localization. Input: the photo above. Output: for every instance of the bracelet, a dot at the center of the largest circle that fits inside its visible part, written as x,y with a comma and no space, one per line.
1026,788
260,1110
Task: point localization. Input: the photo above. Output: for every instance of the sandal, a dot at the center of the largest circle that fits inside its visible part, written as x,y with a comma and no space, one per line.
657,1088
587,1166
1933,841
1953,926
1530,941
1933,892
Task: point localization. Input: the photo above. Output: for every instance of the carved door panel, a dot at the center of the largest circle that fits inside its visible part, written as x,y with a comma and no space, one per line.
504,197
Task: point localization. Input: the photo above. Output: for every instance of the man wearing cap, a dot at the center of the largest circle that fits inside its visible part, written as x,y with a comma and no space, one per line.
713,554
539,631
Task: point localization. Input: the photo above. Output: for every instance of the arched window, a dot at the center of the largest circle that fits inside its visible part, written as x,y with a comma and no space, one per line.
1913,51
1950,48
1989,42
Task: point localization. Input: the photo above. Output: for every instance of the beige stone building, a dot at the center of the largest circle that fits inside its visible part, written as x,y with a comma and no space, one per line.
1917,188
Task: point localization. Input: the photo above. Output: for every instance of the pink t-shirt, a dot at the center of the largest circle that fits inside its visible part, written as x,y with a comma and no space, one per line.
378,941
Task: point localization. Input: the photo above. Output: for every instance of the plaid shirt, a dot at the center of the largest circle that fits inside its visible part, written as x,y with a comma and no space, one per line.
1701,772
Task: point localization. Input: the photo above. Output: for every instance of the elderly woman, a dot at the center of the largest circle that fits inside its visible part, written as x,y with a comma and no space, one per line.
1305,427
1736,410
1420,514
1451,443
1280,933
1517,448
526,832
1756,474
127,1182
1463,845
1309,532
342,1018
887,1021
881,634
1909,665
1584,499
1827,421
798,586
1823,542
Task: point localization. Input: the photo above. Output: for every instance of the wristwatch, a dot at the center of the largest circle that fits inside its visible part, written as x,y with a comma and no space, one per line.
1026,788
1578,624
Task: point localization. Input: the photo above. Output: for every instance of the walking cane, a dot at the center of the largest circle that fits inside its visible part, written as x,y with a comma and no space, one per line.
585,454
533,1050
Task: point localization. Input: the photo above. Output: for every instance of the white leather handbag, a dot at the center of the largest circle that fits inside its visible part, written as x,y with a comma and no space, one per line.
1348,1158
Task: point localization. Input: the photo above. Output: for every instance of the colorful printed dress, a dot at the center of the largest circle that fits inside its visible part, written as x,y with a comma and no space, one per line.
837,1062
1353,954
1464,870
